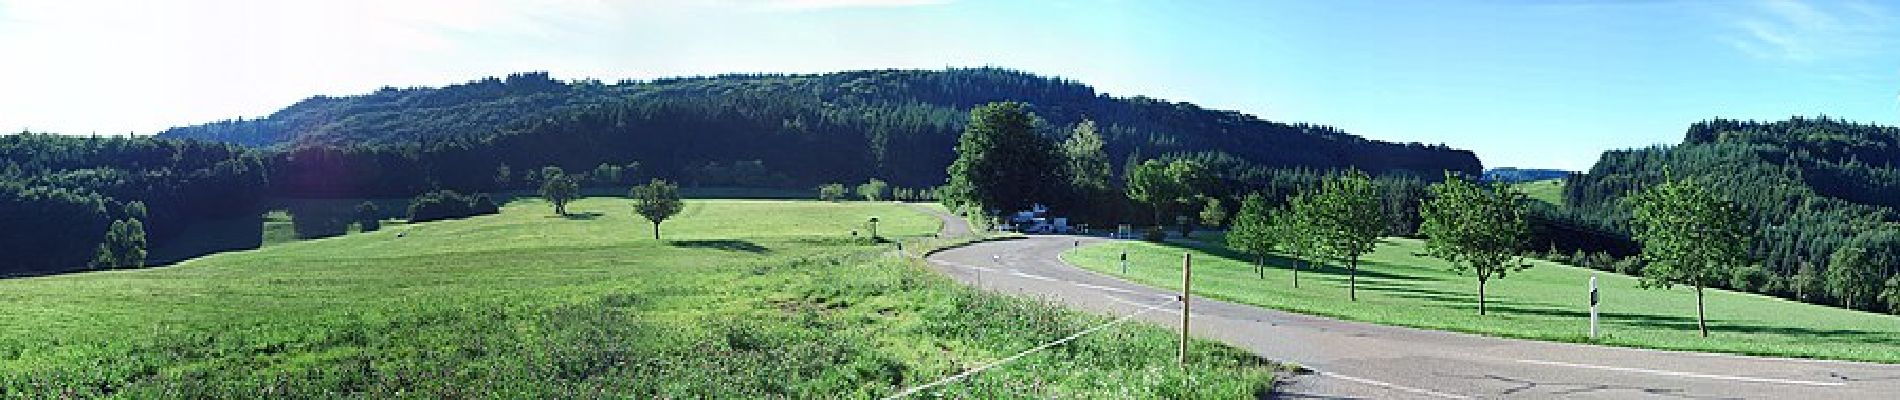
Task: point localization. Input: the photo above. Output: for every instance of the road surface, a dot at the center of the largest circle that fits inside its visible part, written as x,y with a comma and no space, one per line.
1361,360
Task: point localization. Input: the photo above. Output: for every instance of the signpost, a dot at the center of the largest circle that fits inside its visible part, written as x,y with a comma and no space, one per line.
1593,308
1187,291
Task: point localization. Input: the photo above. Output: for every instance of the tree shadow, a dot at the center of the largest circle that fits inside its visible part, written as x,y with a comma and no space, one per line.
583,215
721,244
1716,325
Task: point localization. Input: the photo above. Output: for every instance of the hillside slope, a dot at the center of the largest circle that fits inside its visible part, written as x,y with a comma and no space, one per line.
899,125
1813,186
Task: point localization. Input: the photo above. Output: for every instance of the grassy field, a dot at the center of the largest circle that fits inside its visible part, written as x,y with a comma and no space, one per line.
746,299
1548,190
1398,285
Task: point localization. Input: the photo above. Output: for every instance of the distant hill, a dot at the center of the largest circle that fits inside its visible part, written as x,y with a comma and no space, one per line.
898,125
1812,185
1516,175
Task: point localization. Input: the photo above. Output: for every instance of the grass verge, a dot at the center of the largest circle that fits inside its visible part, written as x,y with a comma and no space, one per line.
1398,285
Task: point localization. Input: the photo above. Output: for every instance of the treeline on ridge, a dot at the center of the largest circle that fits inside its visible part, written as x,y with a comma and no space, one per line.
1813,188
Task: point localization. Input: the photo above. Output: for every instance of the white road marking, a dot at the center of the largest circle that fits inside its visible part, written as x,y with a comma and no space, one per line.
1683,374
1406,389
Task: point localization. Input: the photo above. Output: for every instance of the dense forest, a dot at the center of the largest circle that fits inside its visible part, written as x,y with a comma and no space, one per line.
1814,187
70,200
59,195
793,131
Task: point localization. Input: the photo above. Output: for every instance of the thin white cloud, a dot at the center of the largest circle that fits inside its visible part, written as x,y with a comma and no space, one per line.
1795,31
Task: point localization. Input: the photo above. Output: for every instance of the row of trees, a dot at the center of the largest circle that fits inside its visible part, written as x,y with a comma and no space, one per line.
874,190
1689,235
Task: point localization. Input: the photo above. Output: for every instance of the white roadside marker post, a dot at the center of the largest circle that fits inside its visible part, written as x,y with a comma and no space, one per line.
1593,308
1124,261
1187,291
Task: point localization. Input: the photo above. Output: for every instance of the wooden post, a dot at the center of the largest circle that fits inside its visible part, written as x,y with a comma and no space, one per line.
1187,292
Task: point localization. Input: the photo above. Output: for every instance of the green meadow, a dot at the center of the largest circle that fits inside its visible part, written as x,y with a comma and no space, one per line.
744,299
1399,285
1548,190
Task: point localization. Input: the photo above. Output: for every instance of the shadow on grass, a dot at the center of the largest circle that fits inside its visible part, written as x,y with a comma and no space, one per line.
583,215
722,244
1716,325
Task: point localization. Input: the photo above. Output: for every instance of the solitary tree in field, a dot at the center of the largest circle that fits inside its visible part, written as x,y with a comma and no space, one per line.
1690,236
1346,215
1253,232
873,190
559,188
1002,163
1477,230
657,201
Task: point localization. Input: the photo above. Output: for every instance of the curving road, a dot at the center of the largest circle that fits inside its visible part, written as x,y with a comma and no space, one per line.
1361,360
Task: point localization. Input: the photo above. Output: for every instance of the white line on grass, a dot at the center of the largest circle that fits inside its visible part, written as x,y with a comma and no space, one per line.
973,371
1682,374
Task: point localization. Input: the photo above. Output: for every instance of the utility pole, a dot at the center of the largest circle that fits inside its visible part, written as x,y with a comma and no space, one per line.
1187,291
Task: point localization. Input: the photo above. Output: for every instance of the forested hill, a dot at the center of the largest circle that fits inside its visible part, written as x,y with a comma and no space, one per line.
1813,185
898,125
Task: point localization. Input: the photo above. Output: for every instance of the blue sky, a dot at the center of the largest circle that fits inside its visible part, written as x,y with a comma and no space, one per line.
1523,83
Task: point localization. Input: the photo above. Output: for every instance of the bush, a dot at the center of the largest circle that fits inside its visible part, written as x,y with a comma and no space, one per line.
447,204
368,217
310,222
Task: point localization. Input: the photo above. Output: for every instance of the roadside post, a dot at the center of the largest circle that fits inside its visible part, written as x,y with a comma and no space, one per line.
1187,291
873,229
1593,308
1124,261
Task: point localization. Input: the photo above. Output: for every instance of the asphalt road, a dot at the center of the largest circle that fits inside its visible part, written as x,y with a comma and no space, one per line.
1360,360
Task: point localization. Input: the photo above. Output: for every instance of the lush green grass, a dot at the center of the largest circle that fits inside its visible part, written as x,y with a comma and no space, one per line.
746,299
1548,190
1398,285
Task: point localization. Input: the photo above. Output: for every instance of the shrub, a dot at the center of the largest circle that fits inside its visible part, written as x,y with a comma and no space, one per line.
447,204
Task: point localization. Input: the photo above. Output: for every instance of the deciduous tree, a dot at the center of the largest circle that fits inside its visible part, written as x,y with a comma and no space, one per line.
1478,230
1347,216
1002,163
559,188
657,201
1690,236
873,190
1253,231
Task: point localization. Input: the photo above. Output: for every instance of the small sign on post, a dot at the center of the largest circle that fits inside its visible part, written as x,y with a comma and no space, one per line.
1593,308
